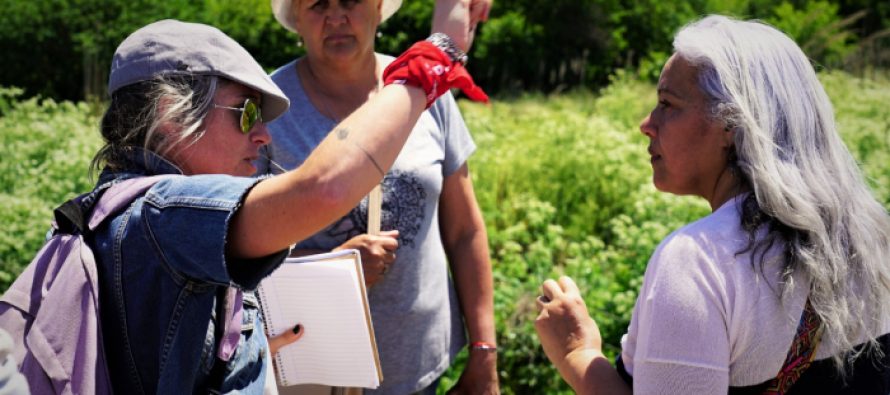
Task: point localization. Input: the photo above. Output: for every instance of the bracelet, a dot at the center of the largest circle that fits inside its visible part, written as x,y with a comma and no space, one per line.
447,45
483,346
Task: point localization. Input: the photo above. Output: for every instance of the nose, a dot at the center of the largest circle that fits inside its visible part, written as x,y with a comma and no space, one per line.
335,14
647,127
260,134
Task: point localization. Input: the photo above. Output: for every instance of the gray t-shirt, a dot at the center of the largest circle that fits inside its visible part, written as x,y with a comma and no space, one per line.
415,309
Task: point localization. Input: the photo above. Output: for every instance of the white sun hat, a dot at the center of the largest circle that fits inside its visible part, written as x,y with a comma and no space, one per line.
284,15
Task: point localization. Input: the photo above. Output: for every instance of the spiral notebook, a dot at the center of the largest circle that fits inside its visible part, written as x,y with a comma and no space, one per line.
326,294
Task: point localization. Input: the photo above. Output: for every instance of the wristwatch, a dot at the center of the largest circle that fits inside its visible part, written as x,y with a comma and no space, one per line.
447,45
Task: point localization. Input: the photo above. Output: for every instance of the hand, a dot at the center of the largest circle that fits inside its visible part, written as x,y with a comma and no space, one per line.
283,339
459,19
564,326
480,375
378,253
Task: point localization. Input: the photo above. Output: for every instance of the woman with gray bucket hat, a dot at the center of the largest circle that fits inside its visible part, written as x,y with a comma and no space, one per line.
431,225
187,101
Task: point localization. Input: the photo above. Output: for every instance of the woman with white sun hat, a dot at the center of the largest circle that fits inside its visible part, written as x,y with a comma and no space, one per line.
431,221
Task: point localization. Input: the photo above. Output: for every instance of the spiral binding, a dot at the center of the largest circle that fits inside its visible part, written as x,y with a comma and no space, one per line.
270,331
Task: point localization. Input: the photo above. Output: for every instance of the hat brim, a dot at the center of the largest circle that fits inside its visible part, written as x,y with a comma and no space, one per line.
282,11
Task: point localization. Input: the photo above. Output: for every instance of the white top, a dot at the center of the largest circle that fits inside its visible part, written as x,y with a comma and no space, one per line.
704,319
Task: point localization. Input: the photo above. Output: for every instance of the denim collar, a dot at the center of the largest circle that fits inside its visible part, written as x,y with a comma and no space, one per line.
140,162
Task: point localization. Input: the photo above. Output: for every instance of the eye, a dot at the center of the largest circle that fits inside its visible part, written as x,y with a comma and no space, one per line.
319,5
664,104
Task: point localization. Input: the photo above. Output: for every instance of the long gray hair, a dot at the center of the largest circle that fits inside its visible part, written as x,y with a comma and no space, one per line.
806,186
136,113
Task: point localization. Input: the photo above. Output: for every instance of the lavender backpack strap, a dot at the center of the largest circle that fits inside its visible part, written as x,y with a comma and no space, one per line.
120,195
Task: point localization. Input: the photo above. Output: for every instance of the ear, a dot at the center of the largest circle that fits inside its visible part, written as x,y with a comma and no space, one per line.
167,127
169,134
295,14
728,135
379,12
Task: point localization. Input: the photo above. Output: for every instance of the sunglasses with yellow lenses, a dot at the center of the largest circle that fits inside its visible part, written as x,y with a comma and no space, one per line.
250,114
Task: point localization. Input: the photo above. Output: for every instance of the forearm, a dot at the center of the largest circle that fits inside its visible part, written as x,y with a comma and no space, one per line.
287,208
471,269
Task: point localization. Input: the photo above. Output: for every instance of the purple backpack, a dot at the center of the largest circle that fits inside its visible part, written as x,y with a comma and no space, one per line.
52,309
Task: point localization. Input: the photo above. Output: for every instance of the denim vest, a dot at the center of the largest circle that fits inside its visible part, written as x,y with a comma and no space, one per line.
162,264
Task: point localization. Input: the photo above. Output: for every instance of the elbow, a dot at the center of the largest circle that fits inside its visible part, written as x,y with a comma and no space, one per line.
331,197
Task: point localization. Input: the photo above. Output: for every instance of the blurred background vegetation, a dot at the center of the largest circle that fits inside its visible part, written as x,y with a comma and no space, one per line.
561,172
62,48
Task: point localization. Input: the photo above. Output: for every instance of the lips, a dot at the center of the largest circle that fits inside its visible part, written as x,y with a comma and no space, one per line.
336,38
653,156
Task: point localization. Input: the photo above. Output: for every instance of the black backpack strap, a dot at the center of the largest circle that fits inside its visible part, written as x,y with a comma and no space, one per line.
69,217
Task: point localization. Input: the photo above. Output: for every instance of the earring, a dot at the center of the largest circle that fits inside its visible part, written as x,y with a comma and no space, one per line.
299,41
379,34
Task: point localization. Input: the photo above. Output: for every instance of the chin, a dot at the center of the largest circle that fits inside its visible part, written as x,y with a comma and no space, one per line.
661,186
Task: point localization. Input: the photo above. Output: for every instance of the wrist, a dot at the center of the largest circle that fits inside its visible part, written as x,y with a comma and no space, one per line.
483,348
448,46
575,365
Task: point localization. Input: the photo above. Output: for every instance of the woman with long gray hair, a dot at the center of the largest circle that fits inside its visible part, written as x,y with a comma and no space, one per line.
783,287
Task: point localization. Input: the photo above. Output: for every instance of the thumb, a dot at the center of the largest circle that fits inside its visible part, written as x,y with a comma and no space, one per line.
286,338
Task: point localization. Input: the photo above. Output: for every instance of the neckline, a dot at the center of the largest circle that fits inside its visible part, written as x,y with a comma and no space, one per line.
324,101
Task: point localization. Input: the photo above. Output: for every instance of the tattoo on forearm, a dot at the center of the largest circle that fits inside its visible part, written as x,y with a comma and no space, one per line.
371,158
342,133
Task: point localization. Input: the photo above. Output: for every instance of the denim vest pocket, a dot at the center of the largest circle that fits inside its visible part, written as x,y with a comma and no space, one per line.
246,369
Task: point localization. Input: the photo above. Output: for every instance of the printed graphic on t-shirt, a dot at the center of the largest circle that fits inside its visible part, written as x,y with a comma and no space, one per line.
403,209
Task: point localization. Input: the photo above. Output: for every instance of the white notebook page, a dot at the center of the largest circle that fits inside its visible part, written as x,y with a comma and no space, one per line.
326,297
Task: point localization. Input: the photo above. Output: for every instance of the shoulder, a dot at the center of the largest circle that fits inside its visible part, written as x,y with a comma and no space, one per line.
713,237
701,256
210,191
284,73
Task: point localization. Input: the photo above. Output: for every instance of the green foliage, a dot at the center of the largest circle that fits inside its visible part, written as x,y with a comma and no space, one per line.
63,48
862,118
563,182
46,149
818,28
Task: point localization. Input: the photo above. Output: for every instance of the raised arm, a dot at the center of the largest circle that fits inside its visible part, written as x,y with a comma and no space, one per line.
289,207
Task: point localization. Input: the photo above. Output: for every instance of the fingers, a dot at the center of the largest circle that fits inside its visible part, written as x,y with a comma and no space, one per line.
389,243
389,233
568,285
478,13
551,289
283,339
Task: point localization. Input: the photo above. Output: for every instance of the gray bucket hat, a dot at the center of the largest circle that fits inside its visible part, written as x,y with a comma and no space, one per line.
284,15
174,47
